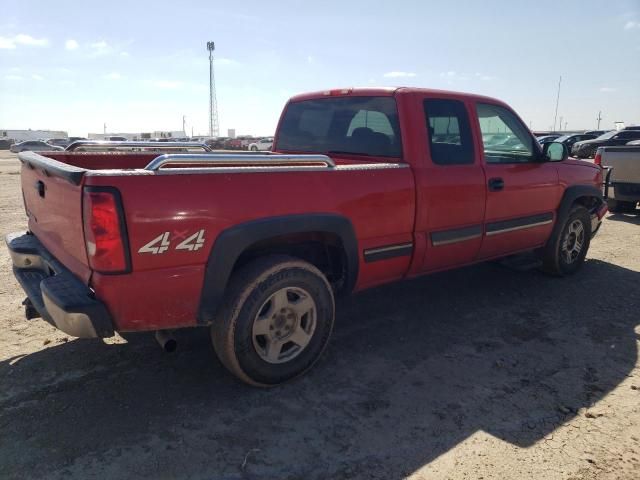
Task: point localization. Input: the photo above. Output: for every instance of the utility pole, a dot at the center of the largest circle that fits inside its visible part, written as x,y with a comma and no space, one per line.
555,118
184,124
565,126
560,124
214,129
599,118
105,128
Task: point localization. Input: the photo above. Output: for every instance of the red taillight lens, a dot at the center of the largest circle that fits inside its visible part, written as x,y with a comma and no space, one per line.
103,233
598,159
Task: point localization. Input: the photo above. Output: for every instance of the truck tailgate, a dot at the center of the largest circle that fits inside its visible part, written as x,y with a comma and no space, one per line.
625,162
54,208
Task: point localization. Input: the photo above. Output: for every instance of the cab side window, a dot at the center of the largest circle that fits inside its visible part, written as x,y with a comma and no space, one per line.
449,132
504,137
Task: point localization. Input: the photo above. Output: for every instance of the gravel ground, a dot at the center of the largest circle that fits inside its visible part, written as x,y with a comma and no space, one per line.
483,372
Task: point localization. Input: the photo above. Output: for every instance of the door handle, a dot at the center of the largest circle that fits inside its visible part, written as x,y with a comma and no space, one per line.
496,184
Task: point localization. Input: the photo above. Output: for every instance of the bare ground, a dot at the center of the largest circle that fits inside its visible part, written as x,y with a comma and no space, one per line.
478,373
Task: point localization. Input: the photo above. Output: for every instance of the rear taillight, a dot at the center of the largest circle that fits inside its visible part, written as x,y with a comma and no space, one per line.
104,230
598,159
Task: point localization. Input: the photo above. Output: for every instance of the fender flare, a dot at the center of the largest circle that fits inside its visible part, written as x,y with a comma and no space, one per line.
232,242
571,194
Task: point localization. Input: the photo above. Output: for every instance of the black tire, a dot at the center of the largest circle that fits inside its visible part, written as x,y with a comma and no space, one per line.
618,206
249,293
254,149
554,259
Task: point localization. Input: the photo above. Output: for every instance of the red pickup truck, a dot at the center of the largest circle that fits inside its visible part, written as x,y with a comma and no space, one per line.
365,187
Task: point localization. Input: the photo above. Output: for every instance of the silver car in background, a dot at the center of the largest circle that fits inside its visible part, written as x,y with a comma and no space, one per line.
34,146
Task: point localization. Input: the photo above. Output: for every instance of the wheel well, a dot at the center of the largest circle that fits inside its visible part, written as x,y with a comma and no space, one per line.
324,250
589,202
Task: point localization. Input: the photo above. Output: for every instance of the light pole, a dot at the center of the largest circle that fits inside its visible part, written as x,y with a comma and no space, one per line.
557,102
214,129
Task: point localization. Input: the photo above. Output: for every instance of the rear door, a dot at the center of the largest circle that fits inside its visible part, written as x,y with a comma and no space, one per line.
523,192
450,184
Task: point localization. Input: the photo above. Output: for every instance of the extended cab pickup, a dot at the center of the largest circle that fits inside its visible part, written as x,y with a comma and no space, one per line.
624,179
368,186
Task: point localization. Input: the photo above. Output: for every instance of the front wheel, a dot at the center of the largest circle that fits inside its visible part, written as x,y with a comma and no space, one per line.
254,148
567,248
275,322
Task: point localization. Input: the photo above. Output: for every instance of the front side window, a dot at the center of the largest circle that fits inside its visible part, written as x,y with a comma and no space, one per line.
358,125
449,132
505,138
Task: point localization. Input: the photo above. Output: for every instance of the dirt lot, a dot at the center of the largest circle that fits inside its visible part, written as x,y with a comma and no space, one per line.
479,373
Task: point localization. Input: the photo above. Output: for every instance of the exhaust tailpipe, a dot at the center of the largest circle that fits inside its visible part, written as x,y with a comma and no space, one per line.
166,340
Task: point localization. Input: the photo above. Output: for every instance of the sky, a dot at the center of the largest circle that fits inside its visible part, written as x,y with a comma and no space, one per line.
139,66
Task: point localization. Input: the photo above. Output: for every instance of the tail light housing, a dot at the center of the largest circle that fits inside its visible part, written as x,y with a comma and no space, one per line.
105,232
598,158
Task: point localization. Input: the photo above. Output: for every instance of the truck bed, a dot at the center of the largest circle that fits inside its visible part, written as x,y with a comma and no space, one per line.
208,194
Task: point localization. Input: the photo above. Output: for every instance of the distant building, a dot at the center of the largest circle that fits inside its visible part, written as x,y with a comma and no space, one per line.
231,133
140,136
22,135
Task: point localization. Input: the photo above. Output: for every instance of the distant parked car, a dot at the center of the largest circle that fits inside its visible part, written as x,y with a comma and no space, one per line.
115,138
34,146
569,140
597,133
262,144
547,139
58,142
587,148
75,139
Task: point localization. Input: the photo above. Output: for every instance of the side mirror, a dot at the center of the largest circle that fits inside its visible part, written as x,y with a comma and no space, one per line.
555,152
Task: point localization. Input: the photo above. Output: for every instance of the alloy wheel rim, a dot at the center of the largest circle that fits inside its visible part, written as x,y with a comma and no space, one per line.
573,242
284,325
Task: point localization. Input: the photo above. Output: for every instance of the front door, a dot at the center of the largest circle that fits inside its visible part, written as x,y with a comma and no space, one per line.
523,191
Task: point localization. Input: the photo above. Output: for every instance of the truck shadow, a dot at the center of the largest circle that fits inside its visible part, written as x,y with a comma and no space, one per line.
414,369
633,218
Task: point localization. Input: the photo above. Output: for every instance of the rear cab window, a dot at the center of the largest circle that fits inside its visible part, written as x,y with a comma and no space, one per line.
364,125
449,132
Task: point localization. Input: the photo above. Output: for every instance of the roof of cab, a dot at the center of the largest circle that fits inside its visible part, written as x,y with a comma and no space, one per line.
387,92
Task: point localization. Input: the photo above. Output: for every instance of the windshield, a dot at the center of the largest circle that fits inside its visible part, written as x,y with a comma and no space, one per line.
356,125
606,136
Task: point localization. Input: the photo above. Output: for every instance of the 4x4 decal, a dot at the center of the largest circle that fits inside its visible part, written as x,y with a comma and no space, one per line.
162,242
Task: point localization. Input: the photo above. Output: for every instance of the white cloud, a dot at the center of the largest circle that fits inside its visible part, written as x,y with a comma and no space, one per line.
607,89
11,43
399,74
71,44
35,76
484,77
310,59
124,54
113,76
451,75
631,25
167,84
13,77
101,45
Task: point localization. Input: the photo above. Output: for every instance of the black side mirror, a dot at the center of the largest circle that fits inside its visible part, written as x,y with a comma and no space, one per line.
555,152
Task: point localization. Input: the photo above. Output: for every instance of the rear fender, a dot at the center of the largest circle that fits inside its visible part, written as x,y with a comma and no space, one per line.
231,243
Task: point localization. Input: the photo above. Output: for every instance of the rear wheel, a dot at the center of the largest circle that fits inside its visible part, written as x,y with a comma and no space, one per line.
567,248
276,320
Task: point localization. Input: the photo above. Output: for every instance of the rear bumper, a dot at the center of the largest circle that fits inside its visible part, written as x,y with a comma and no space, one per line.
57,294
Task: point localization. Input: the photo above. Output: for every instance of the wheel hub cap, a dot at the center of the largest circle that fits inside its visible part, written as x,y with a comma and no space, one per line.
573,241
284,325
